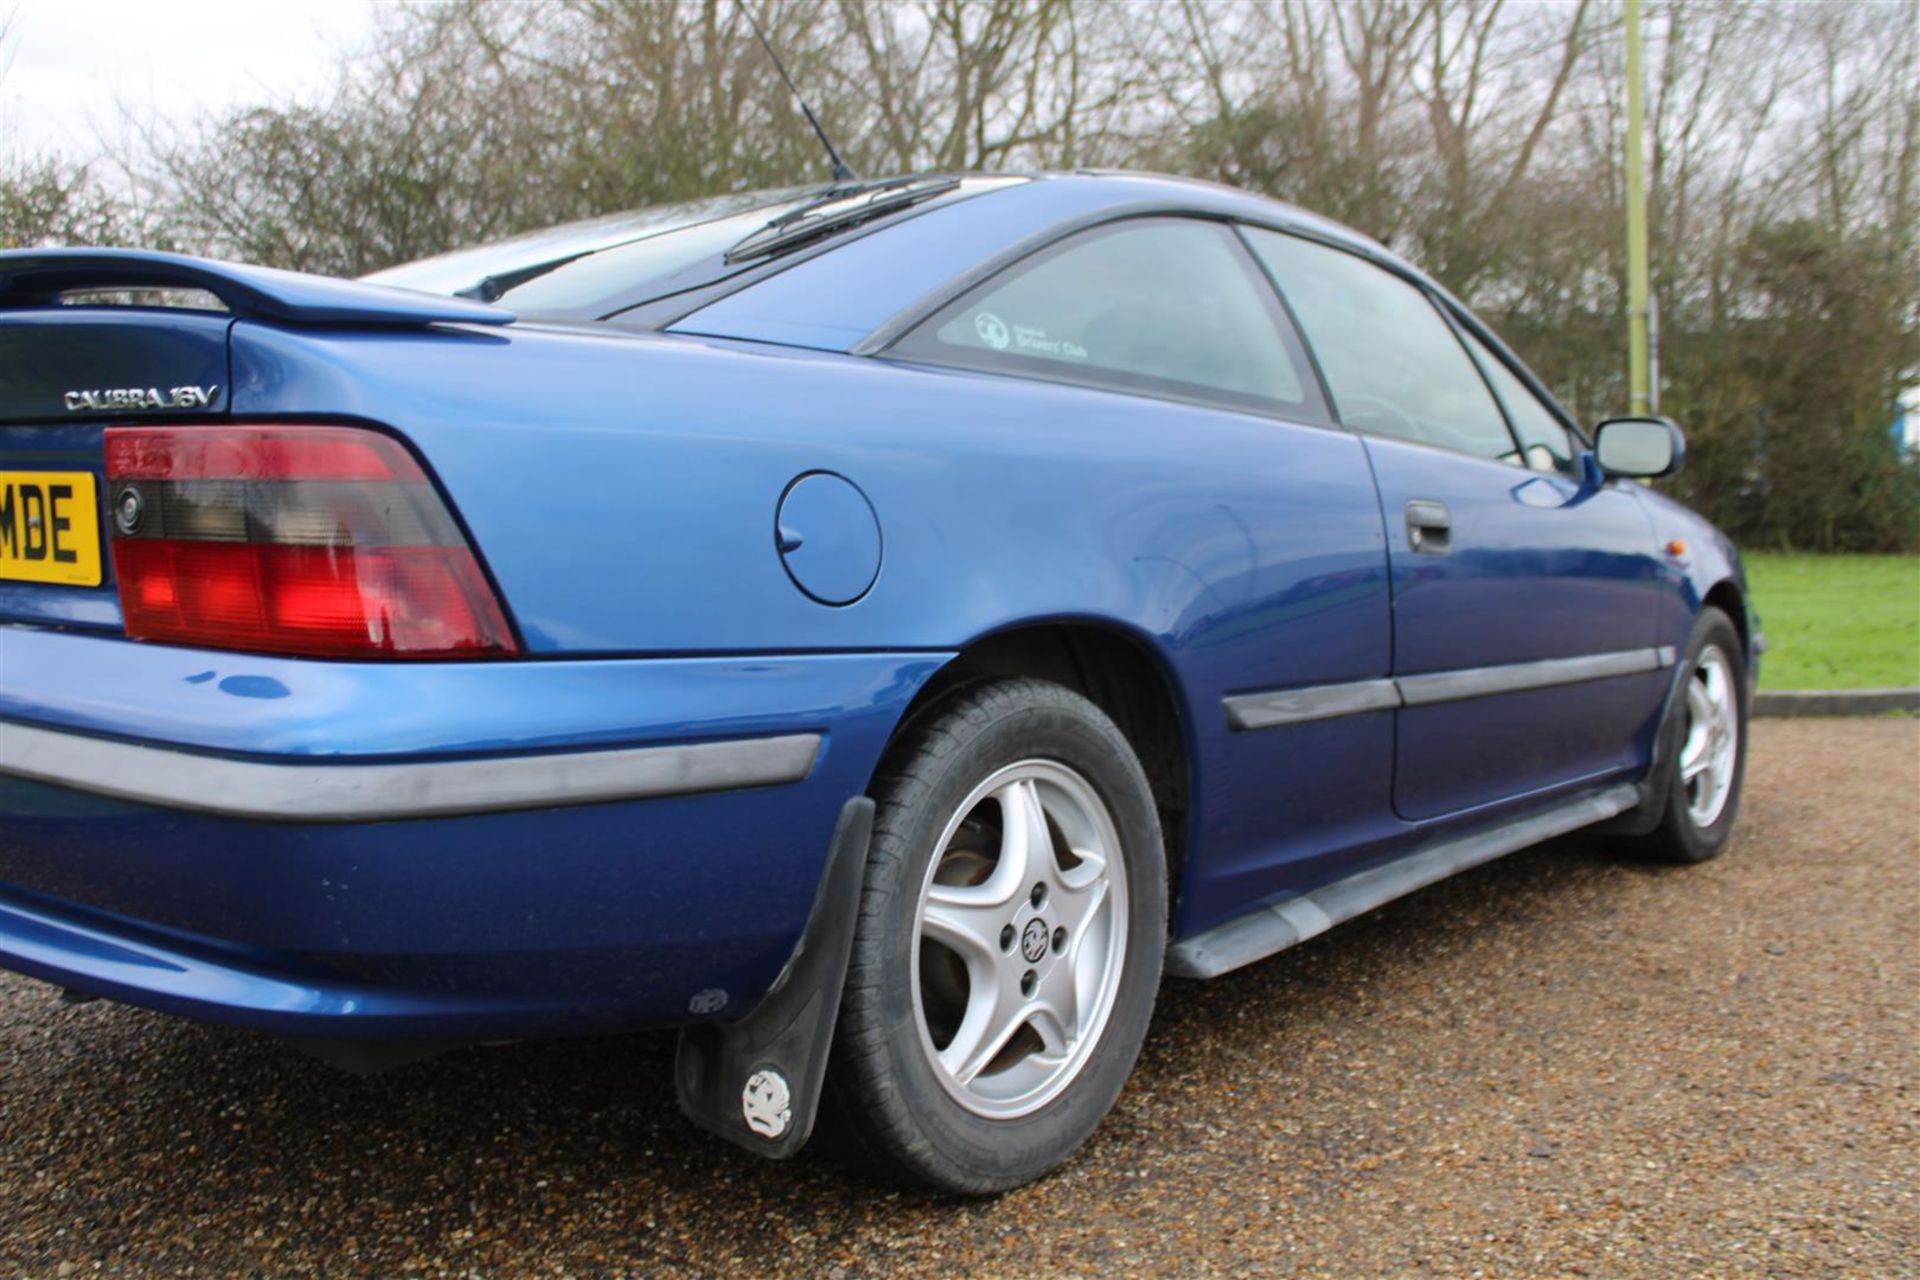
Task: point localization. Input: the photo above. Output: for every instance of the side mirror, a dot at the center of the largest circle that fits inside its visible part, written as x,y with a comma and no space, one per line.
1643,448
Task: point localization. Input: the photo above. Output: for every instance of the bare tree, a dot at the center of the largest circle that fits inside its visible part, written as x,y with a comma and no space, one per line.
48,199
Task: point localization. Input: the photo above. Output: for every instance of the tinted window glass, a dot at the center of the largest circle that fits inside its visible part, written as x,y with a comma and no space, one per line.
1544,440
1163,306
659,227
598,278
591,269
1391,362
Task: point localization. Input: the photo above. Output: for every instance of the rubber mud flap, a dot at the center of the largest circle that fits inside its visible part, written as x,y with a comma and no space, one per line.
757,1082
1655,784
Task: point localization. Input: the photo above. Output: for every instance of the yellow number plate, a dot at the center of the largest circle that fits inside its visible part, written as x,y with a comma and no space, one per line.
49,527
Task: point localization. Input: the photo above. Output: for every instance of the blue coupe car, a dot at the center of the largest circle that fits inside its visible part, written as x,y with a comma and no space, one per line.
879,629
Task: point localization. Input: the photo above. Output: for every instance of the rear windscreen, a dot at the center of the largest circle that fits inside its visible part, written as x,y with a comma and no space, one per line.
571,268
590,270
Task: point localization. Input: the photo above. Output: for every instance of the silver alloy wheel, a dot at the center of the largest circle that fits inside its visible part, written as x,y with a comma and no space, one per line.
1019,939
1711,748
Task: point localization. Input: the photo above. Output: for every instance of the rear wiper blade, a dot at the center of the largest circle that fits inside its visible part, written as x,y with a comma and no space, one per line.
846,191
836,209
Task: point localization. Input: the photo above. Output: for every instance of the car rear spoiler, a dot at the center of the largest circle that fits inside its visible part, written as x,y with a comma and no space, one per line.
38,278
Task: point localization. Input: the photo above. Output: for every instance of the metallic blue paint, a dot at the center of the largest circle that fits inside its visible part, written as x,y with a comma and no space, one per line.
828,537
603,915
208,700
1710,563
621,489
1583,558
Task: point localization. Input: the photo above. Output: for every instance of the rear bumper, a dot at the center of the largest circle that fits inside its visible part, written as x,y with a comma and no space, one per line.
441,851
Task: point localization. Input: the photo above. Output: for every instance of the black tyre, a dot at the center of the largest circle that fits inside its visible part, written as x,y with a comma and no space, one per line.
1009,944
1704,756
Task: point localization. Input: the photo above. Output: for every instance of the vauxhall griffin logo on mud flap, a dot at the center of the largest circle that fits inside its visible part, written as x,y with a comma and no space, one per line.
120,398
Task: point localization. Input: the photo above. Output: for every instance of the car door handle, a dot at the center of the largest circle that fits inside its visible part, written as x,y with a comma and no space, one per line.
1429,527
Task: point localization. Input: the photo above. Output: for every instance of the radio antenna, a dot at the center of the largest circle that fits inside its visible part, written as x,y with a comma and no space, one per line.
841,173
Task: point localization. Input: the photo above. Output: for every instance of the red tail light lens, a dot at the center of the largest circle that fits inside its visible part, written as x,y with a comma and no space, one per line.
320,541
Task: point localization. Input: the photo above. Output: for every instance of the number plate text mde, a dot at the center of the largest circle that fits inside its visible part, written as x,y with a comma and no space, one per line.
49,527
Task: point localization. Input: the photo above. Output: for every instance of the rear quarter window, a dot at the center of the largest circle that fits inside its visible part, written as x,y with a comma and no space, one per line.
1161,306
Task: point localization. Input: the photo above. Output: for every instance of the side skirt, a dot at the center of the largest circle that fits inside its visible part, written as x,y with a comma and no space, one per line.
1276,926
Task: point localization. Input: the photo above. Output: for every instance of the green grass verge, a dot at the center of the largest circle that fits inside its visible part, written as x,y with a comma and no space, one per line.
1837,622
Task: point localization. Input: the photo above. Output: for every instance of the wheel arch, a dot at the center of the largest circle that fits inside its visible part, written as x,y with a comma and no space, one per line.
1119,670
1727,596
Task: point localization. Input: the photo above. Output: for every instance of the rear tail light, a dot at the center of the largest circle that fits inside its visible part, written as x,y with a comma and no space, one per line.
320,541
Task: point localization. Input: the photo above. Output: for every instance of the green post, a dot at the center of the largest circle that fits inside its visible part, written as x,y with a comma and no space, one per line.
1637,382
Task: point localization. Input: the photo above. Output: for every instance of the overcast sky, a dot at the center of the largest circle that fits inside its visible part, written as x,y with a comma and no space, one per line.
67,66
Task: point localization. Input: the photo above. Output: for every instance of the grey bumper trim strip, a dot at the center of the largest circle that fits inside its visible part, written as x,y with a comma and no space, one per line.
1323,702
318,792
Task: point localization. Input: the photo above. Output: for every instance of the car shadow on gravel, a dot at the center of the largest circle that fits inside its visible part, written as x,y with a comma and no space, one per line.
162,1128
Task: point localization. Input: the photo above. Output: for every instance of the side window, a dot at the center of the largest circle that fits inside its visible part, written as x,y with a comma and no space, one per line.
1164,306
1543,438
1390,359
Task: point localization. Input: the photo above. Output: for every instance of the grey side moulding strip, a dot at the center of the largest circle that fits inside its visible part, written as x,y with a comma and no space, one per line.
1265,710
1279,925
316,792
1477,682
1292,706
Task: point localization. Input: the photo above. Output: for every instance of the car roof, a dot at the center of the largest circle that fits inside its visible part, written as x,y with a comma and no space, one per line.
1128,185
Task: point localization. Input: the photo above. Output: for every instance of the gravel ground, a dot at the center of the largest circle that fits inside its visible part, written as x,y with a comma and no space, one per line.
1558,1064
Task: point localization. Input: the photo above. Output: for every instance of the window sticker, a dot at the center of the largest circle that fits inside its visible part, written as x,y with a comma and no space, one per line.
1160,306
992,330
1032,338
